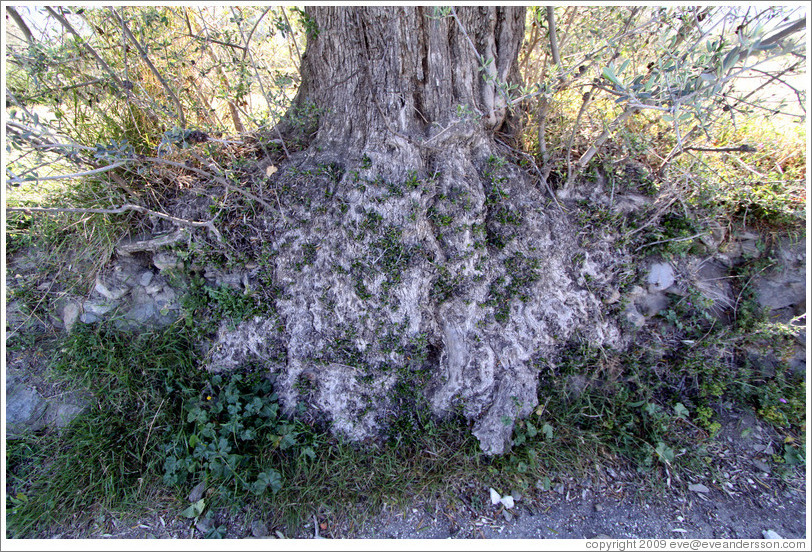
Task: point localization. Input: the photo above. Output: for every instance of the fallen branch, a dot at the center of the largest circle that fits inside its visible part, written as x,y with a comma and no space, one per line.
117,211
744,148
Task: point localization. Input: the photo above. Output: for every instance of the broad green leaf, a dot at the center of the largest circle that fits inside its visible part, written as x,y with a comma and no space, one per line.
195,509
792,456
664,452
681,411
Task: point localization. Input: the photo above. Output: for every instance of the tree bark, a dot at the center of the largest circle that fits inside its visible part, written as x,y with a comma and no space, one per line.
401,76
419,266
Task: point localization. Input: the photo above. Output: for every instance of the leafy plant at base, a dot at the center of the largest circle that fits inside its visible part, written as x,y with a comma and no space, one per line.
233,429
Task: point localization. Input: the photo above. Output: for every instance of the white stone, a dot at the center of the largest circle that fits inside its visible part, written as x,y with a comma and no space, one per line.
660,276
70,314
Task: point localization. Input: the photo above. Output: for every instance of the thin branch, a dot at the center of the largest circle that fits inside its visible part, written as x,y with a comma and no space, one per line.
220,42
586,99
245,51
793,28
743,148
670,240
119,210
152,68
553,38
292,36
74,175
29,37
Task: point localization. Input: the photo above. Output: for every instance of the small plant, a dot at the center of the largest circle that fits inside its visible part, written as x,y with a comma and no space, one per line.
521,272
233,427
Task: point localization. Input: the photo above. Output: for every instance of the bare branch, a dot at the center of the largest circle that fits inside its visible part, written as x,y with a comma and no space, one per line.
119,210
553,38
670,240
29,37
292,37
793,28
74,175
143,53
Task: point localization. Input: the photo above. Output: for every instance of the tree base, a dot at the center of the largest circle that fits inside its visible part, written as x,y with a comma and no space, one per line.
404,280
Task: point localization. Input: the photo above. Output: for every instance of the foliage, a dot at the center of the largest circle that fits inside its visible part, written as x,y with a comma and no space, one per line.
179,67
672,73
233,427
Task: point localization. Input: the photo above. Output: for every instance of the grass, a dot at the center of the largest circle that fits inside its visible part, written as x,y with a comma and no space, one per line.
656,410
151,410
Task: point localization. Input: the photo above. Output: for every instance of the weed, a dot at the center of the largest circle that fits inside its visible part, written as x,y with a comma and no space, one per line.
521,272
233,433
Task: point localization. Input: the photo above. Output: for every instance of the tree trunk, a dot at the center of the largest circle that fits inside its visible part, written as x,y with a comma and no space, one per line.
417,267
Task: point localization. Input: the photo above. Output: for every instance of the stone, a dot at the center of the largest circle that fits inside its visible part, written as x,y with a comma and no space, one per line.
752,248
197,492
60,414
660,277
712,278
145,278
259,530
651,304
781,291
141,313
204,525
109,291
97,308
89,318
761,465
25,409
70,314
153,289
167,295
166,261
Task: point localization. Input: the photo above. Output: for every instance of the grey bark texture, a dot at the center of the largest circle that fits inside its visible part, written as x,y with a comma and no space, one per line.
415,267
